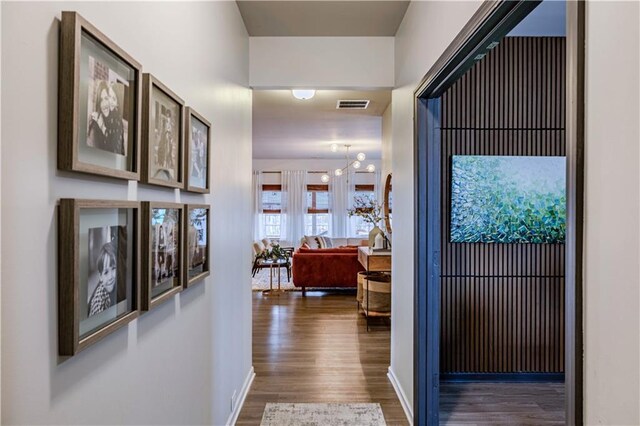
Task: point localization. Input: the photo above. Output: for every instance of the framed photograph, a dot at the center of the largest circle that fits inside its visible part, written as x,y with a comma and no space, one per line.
196,257
197,135
162,270
98,103
97,272
162,134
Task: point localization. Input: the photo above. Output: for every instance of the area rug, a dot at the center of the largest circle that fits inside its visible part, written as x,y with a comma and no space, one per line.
335,414
261,280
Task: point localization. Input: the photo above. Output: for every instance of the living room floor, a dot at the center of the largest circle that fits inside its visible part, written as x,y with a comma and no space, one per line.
317,349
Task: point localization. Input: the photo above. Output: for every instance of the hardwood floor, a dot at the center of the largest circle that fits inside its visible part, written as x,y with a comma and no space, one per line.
491,403
317,349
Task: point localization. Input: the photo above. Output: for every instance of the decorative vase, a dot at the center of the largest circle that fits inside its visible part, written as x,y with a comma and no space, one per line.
372,236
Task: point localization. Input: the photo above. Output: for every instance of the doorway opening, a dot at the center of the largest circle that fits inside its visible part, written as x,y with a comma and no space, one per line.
499,306
315,338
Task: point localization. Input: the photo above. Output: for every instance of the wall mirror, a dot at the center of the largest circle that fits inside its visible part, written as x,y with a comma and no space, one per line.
388,201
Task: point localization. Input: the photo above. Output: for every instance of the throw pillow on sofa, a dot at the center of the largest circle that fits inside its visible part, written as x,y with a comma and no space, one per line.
324,242
312,241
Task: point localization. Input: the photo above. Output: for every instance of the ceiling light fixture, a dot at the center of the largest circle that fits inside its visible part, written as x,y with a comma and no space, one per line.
303,94
356,164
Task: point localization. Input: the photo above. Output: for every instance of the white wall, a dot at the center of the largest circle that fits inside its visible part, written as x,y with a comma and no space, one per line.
322,62
426,31
178,364
0,222
612,279
387,144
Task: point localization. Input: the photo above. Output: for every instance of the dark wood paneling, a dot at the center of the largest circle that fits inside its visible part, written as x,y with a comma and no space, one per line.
503,304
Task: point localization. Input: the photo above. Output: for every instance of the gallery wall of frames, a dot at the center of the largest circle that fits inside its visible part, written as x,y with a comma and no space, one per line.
120,259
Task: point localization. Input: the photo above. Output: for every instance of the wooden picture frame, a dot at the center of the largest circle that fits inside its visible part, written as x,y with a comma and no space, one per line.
160,277
162,134
98,103
194,128
90,260
192,252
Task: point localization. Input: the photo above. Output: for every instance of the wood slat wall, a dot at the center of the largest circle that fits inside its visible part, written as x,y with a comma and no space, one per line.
502,306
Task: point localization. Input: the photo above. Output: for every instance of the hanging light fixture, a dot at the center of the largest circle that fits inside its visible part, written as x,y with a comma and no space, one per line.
303,94
356,164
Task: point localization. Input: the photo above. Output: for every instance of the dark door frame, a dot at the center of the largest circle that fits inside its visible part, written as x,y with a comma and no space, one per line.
492,21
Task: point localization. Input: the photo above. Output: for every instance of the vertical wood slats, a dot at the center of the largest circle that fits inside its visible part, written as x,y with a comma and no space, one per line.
502,305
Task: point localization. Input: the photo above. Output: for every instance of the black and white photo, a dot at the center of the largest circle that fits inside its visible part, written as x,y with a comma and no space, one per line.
197,147
106,285
106,129
198,152
165,243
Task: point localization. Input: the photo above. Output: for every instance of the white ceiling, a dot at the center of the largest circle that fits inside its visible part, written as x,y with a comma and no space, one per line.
285,127
322,18
547,19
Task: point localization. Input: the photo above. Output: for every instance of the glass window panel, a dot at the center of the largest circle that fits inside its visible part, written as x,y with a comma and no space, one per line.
360,227
272,225
316,223
318,200
271,200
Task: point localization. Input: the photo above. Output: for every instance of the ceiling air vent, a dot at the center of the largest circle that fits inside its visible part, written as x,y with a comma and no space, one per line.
351,104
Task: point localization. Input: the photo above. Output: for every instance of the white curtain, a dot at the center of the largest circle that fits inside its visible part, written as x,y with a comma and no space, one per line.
294,205
339,194
258,218
378,187
342,190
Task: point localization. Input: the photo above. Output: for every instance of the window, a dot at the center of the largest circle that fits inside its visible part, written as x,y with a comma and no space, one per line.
271,210
272,226
359,227
316,221
271,199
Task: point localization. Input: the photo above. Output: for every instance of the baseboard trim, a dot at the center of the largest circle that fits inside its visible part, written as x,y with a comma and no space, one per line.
406,406
502,377
246,386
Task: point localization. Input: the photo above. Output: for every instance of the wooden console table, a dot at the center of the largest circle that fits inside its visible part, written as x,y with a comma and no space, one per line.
374,261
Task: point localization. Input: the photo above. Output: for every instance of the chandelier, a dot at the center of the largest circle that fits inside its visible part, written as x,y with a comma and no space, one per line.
356,163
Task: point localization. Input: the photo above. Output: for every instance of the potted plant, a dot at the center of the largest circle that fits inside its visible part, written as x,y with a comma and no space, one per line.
370,212
274,253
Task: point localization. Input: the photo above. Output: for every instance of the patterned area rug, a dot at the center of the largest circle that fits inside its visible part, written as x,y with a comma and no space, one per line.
361,414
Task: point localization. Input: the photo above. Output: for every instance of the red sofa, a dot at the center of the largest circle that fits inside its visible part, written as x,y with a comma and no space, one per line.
330,267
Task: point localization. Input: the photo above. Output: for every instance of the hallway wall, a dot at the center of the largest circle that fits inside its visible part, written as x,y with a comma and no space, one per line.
426,31
612,218
181,363
612,196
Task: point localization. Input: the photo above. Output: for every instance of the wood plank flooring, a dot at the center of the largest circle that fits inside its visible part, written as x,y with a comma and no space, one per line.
317,349
479,403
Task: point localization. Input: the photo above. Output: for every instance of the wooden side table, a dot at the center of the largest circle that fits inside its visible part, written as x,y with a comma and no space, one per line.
374,261
278,264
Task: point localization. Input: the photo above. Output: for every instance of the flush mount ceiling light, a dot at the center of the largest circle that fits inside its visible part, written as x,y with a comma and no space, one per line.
356,164
303,94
